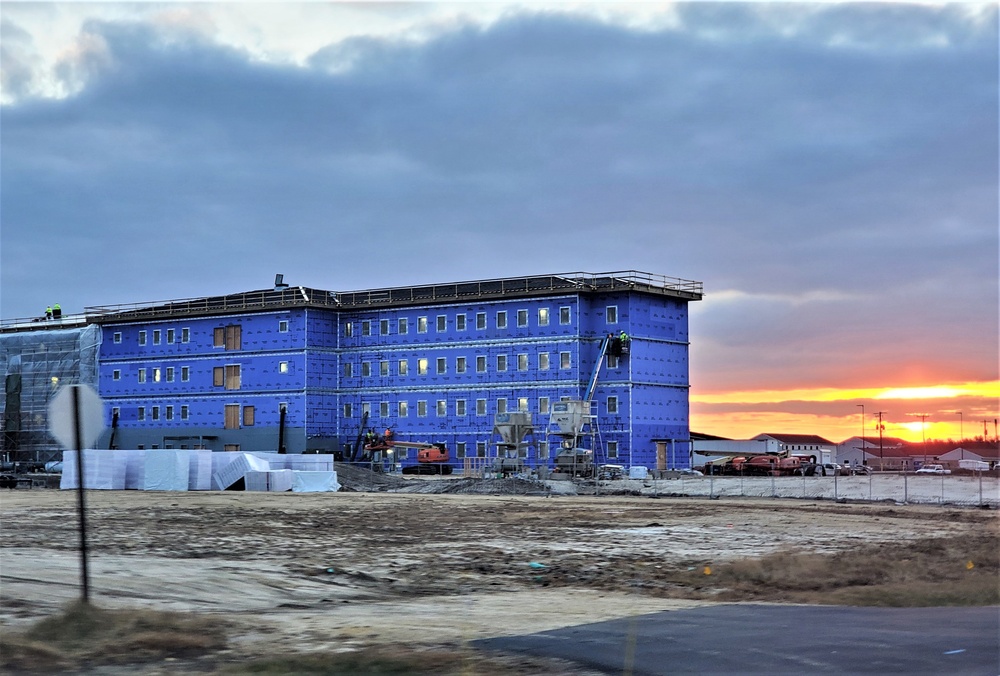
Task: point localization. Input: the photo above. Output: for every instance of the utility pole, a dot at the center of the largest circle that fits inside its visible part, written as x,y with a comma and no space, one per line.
923,437
862,432
881,428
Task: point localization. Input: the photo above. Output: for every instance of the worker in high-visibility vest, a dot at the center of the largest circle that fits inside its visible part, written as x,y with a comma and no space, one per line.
48,312
57,311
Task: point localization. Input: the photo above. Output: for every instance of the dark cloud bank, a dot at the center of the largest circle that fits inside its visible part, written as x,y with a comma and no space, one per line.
844,175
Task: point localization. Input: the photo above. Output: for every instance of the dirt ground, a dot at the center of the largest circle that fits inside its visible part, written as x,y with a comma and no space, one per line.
321,572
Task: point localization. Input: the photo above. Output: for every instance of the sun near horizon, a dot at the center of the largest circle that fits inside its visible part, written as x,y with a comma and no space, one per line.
940,412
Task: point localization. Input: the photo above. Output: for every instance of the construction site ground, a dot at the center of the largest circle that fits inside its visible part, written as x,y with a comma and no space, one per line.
445,563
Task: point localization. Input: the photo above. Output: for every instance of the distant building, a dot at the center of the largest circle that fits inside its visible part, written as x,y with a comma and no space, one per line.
983,451
301,369
889,452
802,444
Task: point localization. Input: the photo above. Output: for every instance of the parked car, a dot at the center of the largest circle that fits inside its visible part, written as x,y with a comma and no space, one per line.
933,469
834,469
863,470
691,472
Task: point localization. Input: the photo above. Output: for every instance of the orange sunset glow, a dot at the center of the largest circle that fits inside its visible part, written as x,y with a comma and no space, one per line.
944,411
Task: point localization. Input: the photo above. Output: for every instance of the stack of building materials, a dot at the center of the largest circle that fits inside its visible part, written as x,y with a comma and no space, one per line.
103,470
230,476
199,470
273,481
166,470
304,481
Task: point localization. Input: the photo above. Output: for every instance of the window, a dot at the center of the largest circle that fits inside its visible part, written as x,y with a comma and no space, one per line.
116,374
231,448
611,314
348,369
185,374
118,337
501,405
502,319
612,450
480,449
171,336
170,374
403,409
442,323
142,337
564,362
249,414
612,361
460,449
564,315
481,364
282,326
460,365
442,365
422,409
383,327
185,335
543,361
282,367
460,322
185,412
383,367
421,324
522,318
480,407
383,409
543,316
232,417
233,377
348,410
230,337
156,374
366,369
543,404
402,326
480,321
442,408
522,362
404,367
522,404
612,404
422,367
156,336
140,413
142,375
366,408
366,327
460,407
348,329
543,450
156,413
501,362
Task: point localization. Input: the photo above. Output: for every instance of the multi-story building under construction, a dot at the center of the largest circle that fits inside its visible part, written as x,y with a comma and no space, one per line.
300,369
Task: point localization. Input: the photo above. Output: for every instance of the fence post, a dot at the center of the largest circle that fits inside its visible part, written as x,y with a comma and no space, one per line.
906,492
980,488
836,495
711,485
774,494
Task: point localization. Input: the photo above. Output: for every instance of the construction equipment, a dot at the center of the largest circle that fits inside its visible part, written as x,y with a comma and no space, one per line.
512,449
573,422
431,458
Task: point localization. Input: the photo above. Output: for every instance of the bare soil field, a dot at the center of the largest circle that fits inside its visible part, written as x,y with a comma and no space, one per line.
313,573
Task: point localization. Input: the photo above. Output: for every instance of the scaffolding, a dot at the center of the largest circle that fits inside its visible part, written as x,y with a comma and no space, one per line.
35,365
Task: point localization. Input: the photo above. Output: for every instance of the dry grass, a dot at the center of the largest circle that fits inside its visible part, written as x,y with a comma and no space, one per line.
385,661
961,571
87,634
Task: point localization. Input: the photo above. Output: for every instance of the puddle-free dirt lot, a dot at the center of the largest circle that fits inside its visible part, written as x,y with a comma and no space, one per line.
323,571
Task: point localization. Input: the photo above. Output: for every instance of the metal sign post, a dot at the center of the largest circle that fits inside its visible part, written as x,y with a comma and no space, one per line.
76,419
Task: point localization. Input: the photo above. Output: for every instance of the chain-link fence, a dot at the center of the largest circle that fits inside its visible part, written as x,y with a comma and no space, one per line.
968,491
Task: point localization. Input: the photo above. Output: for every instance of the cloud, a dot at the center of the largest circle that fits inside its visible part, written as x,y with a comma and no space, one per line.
829,172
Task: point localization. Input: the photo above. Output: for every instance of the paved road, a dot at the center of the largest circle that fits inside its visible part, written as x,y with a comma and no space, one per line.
771,639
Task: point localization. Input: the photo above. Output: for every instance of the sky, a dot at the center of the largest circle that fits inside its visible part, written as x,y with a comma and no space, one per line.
829,171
